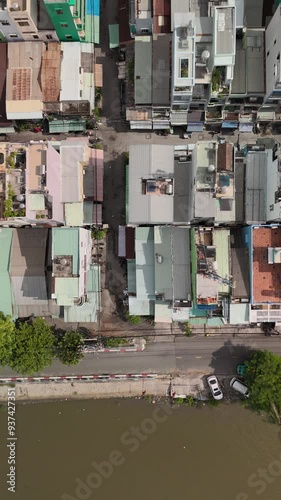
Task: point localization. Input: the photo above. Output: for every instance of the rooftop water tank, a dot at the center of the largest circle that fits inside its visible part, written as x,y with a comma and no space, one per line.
20,197
211,168
205,55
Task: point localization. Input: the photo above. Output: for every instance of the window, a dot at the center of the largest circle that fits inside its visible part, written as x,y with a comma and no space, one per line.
23,23
267,54
68,37
5,23
49,37
184,65
13,35
79,27
36,37
59,11
64,25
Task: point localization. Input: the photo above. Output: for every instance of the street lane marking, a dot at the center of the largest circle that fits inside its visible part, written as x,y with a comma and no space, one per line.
178,357
198,357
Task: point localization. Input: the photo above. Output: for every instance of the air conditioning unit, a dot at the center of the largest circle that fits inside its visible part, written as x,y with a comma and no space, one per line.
185,44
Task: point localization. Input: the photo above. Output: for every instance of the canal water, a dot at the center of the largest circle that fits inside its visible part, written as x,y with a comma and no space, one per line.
137,450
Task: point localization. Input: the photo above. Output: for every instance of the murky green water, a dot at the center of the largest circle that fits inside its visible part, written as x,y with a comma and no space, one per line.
134,450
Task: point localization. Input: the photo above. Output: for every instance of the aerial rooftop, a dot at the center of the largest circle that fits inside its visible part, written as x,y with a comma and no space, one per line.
266,264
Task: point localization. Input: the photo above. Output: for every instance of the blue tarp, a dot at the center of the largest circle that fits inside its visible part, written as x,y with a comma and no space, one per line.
195,127
245,127
227,124
93,7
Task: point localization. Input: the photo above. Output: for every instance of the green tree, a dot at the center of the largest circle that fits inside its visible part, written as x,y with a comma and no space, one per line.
7,337
263,377
69,348
33,347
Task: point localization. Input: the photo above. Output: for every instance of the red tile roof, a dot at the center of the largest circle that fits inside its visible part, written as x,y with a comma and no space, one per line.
266,277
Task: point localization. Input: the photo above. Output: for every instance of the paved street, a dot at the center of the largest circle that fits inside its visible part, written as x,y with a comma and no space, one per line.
189,355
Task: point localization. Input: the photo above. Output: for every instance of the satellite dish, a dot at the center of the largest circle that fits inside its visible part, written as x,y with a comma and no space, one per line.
205,55
211,168
15,6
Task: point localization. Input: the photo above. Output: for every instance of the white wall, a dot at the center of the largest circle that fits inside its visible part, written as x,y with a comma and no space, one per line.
273,32
272,183
10,29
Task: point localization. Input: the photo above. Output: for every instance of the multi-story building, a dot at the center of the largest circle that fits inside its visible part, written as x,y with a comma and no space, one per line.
75,20
26,20
51,184
272,98
48,272
49,79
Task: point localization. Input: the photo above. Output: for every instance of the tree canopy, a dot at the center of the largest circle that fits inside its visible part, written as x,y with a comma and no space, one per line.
33,347
69,348
7,336
263,377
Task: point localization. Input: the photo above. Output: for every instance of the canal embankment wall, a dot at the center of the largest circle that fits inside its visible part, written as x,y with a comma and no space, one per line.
93,389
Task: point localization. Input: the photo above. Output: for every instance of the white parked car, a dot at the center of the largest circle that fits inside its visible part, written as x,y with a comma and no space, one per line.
238,386
214,386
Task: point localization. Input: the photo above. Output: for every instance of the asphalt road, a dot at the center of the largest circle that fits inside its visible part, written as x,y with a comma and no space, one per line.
189,355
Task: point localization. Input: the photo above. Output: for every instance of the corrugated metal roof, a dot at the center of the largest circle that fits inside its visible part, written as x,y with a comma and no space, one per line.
92,213
50,72
181,262
131,274
65,241
143,70
93,278
70,76
161,70
6,301
145,259
256,163
93,176
59,126
73,213
71,171
221,242
163,269
113,35
23,73
147,162
225,157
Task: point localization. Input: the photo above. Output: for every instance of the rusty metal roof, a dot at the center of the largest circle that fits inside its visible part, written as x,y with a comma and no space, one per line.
21,84
50,73
225,157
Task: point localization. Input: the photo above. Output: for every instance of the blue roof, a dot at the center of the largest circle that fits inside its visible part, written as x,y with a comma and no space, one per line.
195,127
93,7
230,124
